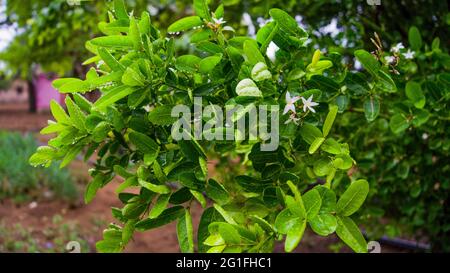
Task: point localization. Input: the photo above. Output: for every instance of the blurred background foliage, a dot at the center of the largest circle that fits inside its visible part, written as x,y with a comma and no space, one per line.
53,32
23,182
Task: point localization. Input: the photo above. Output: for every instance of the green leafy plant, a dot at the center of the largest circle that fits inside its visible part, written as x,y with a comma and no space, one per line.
128,128
404,144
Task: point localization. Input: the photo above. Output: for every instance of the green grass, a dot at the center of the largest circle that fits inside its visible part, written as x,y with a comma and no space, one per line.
22,182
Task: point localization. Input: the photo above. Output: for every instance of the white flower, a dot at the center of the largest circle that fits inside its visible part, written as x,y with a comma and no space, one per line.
397,48
247,21
153,10
309,104
409,54
292,118
147,108
290,103
262,22
424,136
389,59
219,21
271,51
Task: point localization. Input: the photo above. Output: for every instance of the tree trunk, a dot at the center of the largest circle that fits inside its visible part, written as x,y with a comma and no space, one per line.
31,96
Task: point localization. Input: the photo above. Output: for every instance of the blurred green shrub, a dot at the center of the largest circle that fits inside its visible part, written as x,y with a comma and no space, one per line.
21,181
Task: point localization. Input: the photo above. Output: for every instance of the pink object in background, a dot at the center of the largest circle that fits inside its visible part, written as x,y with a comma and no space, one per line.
45,92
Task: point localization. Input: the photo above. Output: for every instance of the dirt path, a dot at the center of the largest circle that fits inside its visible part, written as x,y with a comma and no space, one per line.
15,117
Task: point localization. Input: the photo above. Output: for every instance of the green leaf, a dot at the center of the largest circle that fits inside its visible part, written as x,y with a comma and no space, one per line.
414,92
159,206
330,145
161,189
262,223
385,82
91,74
421,116
58,113
323,224
128,230
114,95
310,133
287,23
331,116
185,233
201,9
315,145
414,38
349,233
352,198
82,102
209,216
294,235
217,192
135,34
161,115
368,61
248,88
129,182
185,23
298,199
219,11
72,152
252,52
134,210
398,123
132,77
58,83
92,188
167,216
266,34
143,143
224,214
77,117
371,108
43,155
159,173
286,220
328,200
312,202
112,41
100,131
214,240
187,63
209,47
323,83
110,60
145,23
260,72
345,162
207,64
105,246
322,166
52,127
229,234
200,198
120,10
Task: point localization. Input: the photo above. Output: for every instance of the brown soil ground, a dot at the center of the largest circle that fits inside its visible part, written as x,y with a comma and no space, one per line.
93,217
